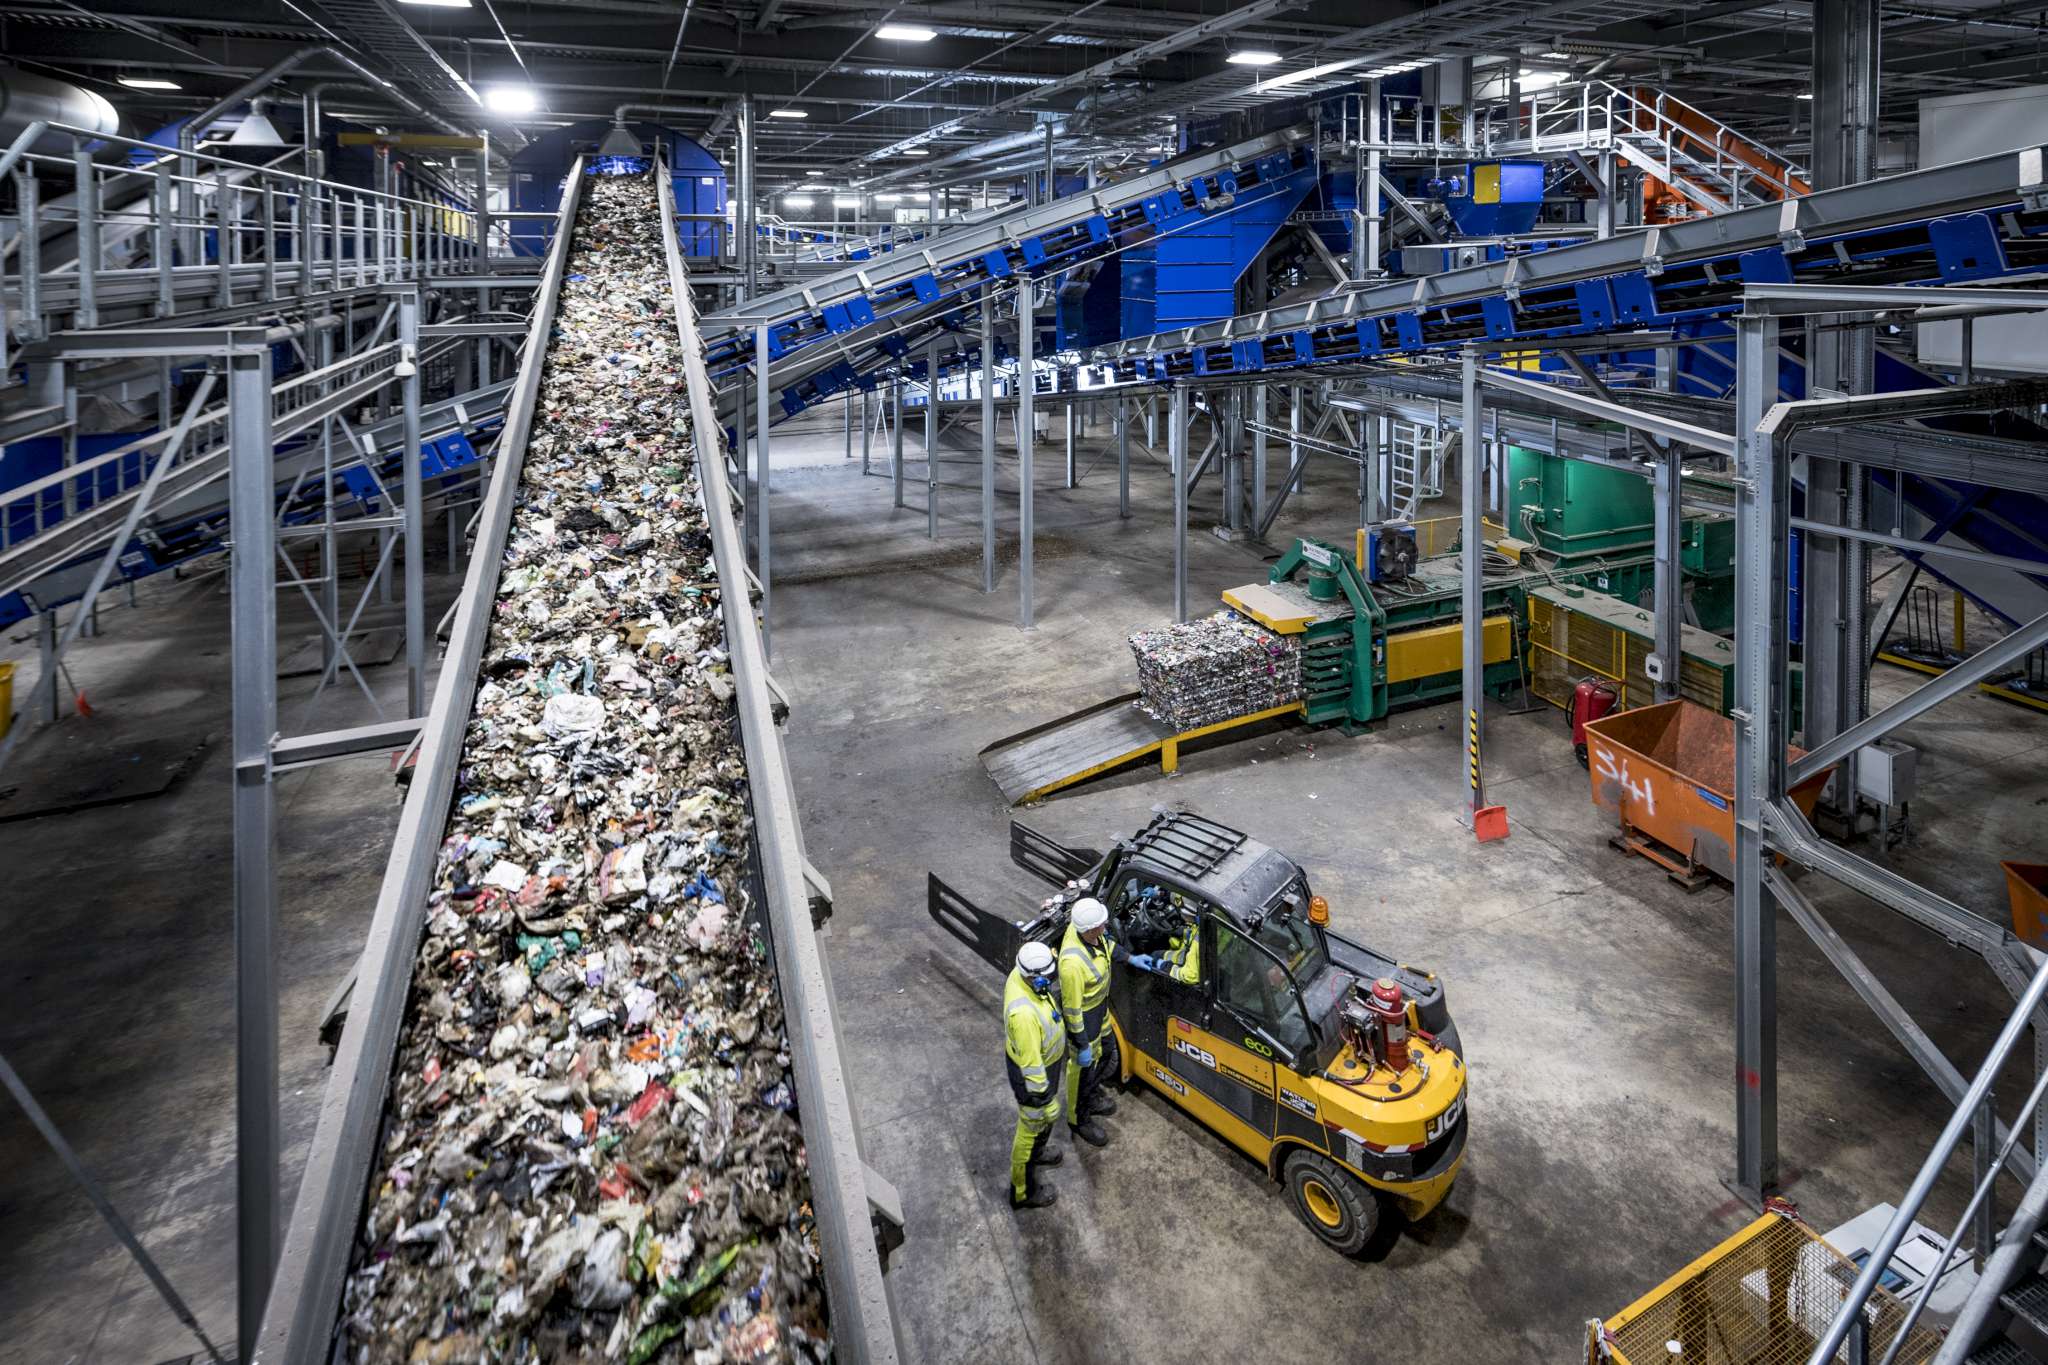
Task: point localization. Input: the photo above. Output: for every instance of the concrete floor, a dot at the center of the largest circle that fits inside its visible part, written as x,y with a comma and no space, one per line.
1593,995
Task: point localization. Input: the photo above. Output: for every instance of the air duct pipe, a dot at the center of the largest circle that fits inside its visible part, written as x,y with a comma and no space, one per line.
620,140
26,98
1009,142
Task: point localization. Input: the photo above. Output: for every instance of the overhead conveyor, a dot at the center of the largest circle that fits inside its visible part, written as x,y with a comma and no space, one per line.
1968,221
833,333
1971,221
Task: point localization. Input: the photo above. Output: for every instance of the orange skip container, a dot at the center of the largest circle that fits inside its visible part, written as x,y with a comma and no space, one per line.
1668,772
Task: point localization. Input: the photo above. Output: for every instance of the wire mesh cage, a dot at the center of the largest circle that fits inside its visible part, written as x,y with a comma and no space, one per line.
1763,1297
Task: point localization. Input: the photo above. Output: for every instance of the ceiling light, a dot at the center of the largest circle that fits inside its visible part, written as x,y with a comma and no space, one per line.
906,33
913,151
887,198
789,113
1806,96
797,201
437,4
511,99
148,83
841,201
1532,81
1252,57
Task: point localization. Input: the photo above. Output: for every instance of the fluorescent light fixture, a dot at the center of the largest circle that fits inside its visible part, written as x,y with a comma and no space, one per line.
437,4
510,99
888,198
1806,96
840,201
906,33
913,151
148,83
1252,57
797,201
1533,81
789,113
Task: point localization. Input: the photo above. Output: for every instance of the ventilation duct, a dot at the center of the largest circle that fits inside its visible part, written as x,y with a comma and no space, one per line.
26,97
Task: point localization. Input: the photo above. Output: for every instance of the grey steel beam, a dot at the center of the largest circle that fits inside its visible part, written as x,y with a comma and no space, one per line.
303,751
763,566
1764,484
1667,428
2002,654
2036,568
1027,440
896,440
931,442
1881,1001
413,490
1472,599
1668,587
253,635
1784,300
988,439
1177,460
1123,457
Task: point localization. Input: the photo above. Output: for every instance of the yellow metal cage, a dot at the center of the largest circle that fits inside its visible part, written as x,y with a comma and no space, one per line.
1763,1297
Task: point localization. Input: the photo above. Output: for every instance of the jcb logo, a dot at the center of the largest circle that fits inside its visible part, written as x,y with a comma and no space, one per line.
1202,1055
1444,1122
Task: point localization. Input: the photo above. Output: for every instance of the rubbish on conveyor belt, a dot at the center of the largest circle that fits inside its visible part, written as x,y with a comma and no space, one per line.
591,1151
1196,673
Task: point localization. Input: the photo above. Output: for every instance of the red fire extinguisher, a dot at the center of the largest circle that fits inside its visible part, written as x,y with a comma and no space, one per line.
1591,699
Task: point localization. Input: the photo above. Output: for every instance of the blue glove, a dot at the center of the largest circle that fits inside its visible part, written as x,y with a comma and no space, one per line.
1146,961
1087,1056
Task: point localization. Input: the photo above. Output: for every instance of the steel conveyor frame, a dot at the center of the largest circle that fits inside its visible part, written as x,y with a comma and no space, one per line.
863,1319
305,1296
305,1300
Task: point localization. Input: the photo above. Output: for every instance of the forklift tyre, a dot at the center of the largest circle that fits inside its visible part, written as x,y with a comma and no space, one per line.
1336,1205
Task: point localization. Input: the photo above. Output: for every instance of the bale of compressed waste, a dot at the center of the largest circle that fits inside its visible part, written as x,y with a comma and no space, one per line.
1197,673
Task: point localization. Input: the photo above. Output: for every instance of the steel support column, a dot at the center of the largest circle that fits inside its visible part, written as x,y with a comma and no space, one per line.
896,439
931,442
415,507
1027,438
1473,598
1177,461
761,479
1763,484
253,649
988,439
1258,455
1123,456
1668,592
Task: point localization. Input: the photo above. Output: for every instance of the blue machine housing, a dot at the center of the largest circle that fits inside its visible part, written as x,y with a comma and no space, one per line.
539,168
1494,198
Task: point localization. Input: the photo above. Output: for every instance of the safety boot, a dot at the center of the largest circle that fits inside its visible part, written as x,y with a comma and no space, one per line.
1099,1105
1089,1131
1036,1196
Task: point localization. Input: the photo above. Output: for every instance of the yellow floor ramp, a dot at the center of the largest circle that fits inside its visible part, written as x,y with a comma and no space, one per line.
1763,1297
1042,760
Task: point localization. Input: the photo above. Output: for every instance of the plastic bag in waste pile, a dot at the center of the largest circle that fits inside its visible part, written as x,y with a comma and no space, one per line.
1197,673
590,1151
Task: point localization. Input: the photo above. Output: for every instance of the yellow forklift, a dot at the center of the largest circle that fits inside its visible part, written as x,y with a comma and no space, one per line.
1335,1068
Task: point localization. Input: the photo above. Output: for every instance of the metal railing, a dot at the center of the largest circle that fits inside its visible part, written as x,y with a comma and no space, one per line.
194,231
1679,144
2000,1263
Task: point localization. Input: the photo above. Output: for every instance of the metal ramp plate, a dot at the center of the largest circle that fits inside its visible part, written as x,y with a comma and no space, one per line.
1074,747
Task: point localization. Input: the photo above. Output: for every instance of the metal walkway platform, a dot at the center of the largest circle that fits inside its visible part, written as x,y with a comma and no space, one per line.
1037,762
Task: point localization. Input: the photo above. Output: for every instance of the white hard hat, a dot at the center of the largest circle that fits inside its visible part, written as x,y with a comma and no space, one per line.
1089,913
1034,959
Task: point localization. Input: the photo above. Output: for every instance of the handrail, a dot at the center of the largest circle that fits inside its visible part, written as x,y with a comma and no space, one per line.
1923,1183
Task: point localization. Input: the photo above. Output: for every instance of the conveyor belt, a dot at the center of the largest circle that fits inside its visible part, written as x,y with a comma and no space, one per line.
820,1202
1968,221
